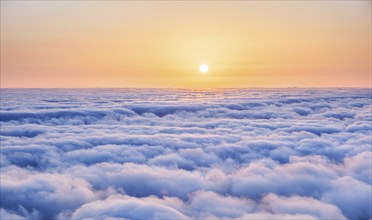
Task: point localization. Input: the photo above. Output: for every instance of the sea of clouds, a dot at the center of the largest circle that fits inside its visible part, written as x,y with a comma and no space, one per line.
186,154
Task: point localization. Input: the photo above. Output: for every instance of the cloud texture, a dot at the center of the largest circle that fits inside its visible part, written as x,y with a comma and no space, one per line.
181,154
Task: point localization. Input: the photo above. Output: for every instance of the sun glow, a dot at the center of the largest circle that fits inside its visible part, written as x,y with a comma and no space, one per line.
203,68
158,45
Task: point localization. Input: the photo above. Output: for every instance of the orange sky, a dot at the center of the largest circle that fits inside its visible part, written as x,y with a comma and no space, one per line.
162,44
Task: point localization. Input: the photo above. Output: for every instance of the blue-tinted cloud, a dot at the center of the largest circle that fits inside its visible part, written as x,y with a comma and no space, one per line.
158,154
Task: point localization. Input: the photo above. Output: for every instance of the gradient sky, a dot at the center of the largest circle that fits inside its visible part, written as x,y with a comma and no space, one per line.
162,44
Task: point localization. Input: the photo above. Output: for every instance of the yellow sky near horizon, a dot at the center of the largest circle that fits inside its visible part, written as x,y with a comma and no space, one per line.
162,43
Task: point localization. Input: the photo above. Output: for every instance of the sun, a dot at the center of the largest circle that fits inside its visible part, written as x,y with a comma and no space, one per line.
203,68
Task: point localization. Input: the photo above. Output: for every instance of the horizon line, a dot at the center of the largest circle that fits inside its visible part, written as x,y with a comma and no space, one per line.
191,88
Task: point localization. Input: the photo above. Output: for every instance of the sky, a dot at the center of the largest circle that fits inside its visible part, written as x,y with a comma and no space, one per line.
161,44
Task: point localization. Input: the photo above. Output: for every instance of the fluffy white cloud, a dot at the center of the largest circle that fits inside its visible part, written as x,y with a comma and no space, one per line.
47,193
301,205
127,208
4,214
212,205
157,154
351,196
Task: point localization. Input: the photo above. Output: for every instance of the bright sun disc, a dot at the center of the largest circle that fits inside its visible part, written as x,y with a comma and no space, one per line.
203,68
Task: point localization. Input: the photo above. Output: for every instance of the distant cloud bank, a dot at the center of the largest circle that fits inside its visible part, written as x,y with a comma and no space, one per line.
186,154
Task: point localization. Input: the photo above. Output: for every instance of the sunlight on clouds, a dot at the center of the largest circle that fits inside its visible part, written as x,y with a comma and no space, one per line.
229,153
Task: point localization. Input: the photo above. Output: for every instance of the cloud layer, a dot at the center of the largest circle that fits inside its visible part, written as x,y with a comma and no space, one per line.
181,154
